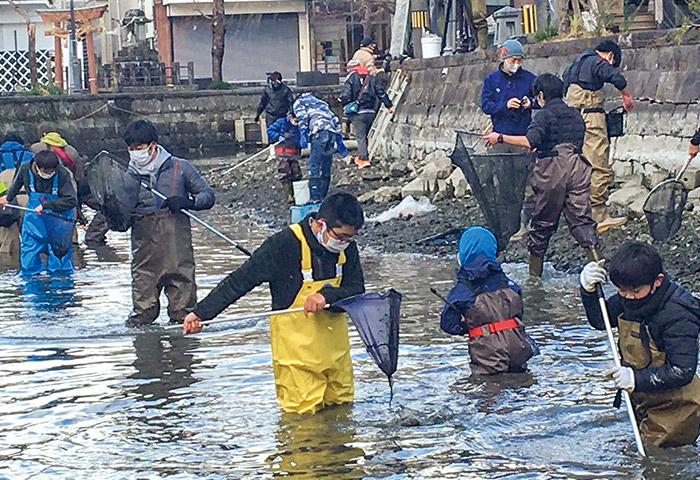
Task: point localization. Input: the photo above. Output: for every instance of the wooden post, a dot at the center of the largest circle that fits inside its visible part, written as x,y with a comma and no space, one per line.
58,59
92,68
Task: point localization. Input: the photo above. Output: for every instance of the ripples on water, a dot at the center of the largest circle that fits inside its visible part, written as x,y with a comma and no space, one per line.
84,397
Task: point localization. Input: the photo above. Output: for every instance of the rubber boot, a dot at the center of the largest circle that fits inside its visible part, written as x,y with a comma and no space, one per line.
288,192
520,234
325,185
604,221
535,266
315,190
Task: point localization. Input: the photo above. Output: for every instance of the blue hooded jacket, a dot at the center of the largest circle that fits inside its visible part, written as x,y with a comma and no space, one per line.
483,275
11,152
479,273
497,90
276,131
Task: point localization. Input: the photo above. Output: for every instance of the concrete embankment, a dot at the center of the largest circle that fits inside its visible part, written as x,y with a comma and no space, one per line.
190,124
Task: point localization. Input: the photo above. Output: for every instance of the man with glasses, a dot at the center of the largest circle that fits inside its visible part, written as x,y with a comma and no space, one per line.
311,264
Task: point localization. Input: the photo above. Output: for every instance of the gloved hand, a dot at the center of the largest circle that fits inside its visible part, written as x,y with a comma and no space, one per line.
177,203
303,138
627,101
592,275
257,118
623,377
342,149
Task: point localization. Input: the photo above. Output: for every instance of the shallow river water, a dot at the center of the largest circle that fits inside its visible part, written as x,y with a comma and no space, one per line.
82,396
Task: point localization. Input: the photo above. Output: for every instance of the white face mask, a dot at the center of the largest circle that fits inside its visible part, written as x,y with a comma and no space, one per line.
45,176
333,245
511,67
140,158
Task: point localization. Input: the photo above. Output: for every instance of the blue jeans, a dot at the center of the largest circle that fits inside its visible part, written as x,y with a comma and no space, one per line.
321,156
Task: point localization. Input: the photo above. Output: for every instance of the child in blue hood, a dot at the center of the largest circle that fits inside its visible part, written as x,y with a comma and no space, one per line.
488,307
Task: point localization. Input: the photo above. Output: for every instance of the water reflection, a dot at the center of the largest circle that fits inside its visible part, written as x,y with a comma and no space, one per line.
166,362
318,446
47,294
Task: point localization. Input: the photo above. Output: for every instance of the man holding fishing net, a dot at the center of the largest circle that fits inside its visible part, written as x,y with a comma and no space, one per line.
309,265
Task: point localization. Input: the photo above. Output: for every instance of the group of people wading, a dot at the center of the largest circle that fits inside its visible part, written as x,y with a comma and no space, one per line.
316,262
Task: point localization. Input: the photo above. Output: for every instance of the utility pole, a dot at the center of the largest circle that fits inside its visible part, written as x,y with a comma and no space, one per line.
76,83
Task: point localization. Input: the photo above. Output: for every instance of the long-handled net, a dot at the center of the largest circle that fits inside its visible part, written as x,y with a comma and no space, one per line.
498,183
115,188
664,206
376,318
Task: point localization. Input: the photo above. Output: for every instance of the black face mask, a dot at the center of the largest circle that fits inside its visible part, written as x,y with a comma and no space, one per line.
637,303
642,307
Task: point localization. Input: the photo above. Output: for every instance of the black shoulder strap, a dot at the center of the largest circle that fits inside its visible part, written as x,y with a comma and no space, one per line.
577,65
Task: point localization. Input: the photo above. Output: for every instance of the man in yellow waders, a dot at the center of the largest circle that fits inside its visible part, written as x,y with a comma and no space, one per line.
310,264
658,322
585,79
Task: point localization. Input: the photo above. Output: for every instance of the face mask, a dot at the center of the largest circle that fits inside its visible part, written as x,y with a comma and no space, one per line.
45,176
333,245
276,85
511,67
140,158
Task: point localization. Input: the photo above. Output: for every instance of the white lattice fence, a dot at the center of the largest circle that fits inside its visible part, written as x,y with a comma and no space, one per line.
14,69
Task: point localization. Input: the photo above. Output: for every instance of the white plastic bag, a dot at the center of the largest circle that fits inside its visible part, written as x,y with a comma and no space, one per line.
408,207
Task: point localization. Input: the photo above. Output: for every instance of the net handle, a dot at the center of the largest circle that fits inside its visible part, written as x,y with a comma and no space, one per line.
685,167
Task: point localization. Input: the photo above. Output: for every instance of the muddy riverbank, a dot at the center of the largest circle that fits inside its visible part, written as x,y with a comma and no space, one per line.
254,188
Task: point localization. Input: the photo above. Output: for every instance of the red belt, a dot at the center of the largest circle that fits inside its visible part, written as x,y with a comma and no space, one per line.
494,327
286,150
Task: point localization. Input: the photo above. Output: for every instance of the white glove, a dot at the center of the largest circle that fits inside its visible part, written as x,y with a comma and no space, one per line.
591,275
623,377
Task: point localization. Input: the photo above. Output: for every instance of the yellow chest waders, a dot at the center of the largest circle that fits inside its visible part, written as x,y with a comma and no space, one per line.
311,355
667,418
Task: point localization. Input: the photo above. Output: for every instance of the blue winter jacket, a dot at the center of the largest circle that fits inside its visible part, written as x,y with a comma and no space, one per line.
485,276
13,155
497,90
276,131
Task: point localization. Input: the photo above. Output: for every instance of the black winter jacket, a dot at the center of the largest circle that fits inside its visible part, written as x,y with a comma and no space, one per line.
278,262
175,177
556,124
591,71
372,92
67,197
696,138
674,324
276,103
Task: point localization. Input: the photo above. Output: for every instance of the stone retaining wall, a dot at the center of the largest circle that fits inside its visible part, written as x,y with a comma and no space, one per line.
190,124
662,70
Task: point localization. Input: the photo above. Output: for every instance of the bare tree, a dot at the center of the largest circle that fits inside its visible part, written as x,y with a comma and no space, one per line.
218,39
372,9
31,33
